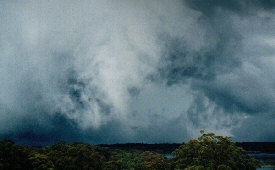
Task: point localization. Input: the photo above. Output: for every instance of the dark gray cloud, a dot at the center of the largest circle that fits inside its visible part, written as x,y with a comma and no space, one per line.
210,7
136,71
256,128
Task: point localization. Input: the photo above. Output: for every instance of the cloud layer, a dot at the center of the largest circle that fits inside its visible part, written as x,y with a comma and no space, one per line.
136,71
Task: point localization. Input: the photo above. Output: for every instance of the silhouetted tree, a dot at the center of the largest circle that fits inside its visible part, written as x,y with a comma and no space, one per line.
13,156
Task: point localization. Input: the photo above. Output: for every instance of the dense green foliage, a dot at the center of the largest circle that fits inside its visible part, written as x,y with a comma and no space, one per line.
212,152
208,152
76,156
13,156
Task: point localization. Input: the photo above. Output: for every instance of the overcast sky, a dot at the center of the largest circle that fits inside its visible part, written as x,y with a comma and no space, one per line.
115,71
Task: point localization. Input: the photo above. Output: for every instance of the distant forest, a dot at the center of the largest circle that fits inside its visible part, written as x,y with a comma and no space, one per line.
207,152
165,148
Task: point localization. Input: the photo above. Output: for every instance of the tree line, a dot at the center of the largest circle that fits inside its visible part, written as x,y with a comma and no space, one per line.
207,152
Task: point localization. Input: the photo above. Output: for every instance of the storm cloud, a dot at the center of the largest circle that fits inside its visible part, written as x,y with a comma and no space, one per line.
136,71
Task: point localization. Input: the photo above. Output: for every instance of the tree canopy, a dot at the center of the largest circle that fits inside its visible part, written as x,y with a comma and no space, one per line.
214,153
207,152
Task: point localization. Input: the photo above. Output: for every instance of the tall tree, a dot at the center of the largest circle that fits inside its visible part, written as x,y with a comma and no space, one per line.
212,152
